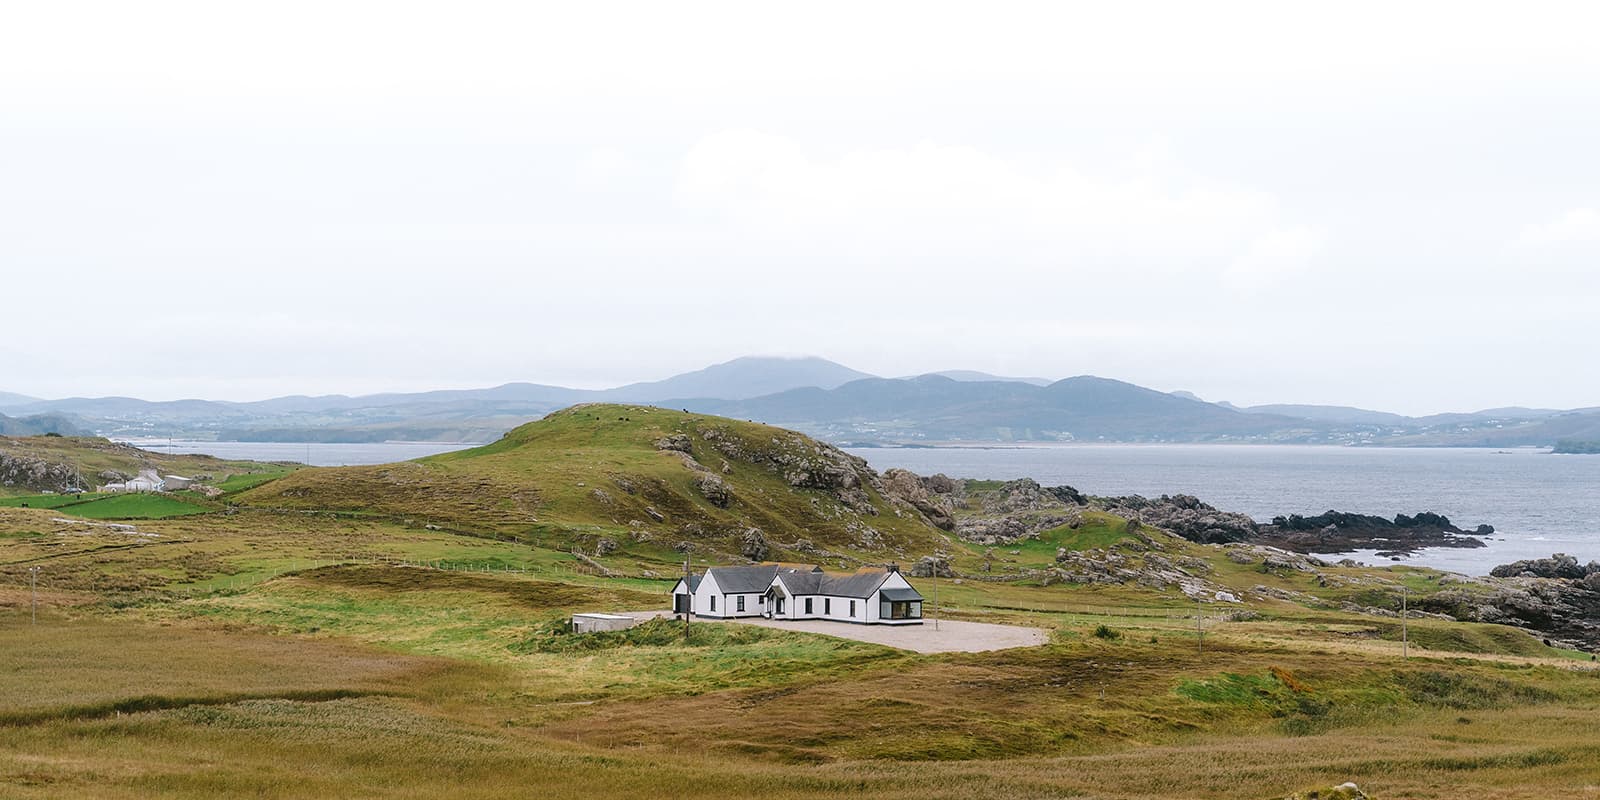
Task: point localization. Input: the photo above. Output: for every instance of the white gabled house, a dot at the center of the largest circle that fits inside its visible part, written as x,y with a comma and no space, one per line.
870,595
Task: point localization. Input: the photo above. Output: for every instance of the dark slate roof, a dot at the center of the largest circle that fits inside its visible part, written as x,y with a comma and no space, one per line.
899,594
694,583
861,583
744,580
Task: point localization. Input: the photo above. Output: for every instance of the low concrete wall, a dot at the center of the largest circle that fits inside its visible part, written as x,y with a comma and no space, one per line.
590,623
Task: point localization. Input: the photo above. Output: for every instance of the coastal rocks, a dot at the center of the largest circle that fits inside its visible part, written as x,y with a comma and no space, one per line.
1025,494
1553,596
1559,565
1335,532
1186,516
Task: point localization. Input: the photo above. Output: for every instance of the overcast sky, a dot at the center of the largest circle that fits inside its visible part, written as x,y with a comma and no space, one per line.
1392,205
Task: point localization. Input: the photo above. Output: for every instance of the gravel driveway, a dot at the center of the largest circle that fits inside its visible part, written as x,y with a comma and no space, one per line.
952,636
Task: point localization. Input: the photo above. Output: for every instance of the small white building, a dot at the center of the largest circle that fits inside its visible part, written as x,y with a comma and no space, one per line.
590,623
177,483
868,596
148,481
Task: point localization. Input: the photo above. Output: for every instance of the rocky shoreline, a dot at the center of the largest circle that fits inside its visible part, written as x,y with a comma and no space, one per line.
1556,599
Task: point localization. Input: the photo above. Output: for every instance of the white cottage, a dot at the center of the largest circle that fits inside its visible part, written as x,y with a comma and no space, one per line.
870,595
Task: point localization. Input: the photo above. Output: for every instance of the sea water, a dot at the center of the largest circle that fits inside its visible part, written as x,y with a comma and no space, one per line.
1539,503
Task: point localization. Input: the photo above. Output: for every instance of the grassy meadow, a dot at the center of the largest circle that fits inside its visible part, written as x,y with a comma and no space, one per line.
267,645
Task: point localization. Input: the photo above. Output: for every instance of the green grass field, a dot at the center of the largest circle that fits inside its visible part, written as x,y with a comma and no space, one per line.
112,506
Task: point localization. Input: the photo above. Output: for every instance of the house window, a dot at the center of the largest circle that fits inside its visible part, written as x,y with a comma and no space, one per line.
739,603
713,602
808,605
827,605
852,609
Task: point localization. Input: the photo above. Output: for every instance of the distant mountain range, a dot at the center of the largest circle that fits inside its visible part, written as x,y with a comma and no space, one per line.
816,396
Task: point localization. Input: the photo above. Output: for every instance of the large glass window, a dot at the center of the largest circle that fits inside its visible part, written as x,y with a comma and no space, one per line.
739,603
808,605
900,609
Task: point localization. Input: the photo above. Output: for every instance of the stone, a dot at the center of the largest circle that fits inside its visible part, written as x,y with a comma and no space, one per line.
714,489
928,566
753,545
676,441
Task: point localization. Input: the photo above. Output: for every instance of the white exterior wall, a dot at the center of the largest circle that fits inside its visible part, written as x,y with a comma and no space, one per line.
752,605
702,597
727,604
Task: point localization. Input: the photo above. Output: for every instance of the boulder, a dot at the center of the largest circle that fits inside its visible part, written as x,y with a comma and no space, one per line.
928,566
715,490
675,441
753,545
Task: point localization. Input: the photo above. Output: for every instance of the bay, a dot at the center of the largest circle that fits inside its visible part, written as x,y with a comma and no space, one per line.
1539,503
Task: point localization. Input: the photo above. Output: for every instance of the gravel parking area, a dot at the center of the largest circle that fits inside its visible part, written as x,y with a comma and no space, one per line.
952,636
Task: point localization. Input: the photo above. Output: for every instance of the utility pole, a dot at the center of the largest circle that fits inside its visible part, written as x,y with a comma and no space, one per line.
1405,634
936,591
1199,629
688,605
33,584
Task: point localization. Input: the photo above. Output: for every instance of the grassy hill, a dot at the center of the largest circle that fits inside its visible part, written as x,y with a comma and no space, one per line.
643,478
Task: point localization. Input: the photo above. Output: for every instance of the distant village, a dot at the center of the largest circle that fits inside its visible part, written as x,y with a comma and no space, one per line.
148,480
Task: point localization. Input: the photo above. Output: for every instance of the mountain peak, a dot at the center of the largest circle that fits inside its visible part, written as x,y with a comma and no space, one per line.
743,378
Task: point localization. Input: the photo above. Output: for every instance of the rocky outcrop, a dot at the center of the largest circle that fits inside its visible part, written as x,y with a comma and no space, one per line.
804,464
1128,563
753,545
1559,565
1186,516
1339,532
26,472
1013,511
714,489
929,566
676,441
1553,598
923,495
